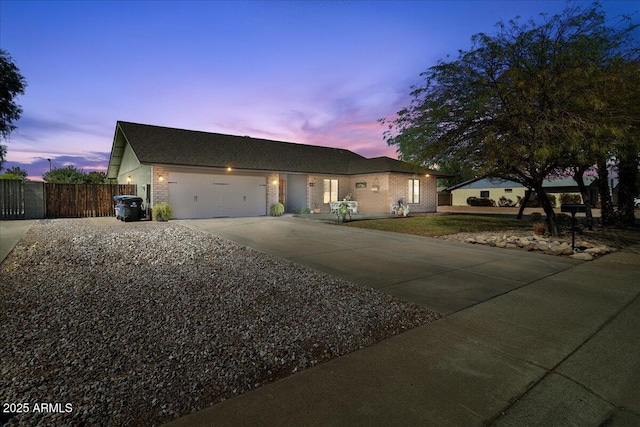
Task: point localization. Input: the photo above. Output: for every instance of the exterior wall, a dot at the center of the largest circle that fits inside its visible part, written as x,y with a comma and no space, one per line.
391,188
273,180
130,167
461,195
430,194
316,190
370,200
159,188
399,189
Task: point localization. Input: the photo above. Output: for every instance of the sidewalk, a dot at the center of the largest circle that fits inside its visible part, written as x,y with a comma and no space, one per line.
11,232
561,350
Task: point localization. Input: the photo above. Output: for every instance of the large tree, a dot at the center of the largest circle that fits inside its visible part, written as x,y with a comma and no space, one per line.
507,106
12,84
627,148
66,175
72,175
18,171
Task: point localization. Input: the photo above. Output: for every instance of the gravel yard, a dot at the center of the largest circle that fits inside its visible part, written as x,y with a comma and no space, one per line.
141,323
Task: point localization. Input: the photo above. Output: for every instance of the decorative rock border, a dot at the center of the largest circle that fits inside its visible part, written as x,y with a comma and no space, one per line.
585,251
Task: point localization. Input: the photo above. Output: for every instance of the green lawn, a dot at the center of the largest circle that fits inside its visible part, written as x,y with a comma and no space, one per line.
439,225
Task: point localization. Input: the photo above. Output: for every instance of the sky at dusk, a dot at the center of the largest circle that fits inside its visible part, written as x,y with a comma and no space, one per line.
319,73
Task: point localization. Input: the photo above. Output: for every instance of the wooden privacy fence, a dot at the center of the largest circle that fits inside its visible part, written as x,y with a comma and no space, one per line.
11,199
31,200
445,199
83,200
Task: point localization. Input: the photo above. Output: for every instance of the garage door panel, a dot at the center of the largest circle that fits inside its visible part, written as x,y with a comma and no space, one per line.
194,195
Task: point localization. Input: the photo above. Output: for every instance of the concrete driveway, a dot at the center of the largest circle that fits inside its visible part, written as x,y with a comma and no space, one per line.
529,339
440,275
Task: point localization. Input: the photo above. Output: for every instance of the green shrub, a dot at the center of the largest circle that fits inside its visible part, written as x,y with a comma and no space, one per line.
10,176
570,198
480,201
506,203
305,211
534,202
276,209
162,210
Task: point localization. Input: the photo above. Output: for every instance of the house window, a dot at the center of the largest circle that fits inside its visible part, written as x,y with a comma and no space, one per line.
508,190
414,191
484,194
330,190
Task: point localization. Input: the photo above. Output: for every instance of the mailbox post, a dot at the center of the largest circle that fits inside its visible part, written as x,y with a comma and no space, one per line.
573,208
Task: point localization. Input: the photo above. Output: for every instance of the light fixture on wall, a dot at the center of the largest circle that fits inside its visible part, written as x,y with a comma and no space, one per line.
161,178
376,185
228,168
427,175
274,182
129,179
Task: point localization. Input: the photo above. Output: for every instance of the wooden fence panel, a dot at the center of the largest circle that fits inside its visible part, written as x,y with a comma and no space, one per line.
83,200
445,199
11,199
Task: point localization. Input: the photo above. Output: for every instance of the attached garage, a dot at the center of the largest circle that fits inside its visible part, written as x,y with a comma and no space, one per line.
203,195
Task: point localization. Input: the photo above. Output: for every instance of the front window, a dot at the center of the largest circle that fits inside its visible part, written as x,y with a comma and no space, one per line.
414,191
484,194
330,190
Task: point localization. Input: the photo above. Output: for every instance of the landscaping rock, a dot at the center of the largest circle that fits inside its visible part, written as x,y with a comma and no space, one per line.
529,242
582,256
542,246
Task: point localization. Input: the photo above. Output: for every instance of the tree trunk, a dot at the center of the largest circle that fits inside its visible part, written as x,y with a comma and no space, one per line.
548,210
578,175
627,191
523,203
606,205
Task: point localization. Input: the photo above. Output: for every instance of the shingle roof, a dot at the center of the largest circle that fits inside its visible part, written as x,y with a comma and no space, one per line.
382,164
170,146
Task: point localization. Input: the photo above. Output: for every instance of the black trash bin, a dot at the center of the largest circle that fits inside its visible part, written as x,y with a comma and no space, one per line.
129,208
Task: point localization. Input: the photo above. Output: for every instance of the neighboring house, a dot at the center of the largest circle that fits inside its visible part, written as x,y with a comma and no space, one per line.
206,175
495,188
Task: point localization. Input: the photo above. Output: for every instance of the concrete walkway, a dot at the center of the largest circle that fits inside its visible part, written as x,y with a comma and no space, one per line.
529,340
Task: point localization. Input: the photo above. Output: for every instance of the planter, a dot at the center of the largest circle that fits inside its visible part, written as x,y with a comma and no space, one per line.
316,210
159,218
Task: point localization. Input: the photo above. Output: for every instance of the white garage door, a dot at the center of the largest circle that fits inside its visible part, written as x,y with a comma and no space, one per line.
199,195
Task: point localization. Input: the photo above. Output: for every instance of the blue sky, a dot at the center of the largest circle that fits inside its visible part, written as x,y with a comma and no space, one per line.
311,72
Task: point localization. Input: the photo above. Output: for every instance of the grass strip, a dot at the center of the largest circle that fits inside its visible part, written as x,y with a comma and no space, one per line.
440,225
